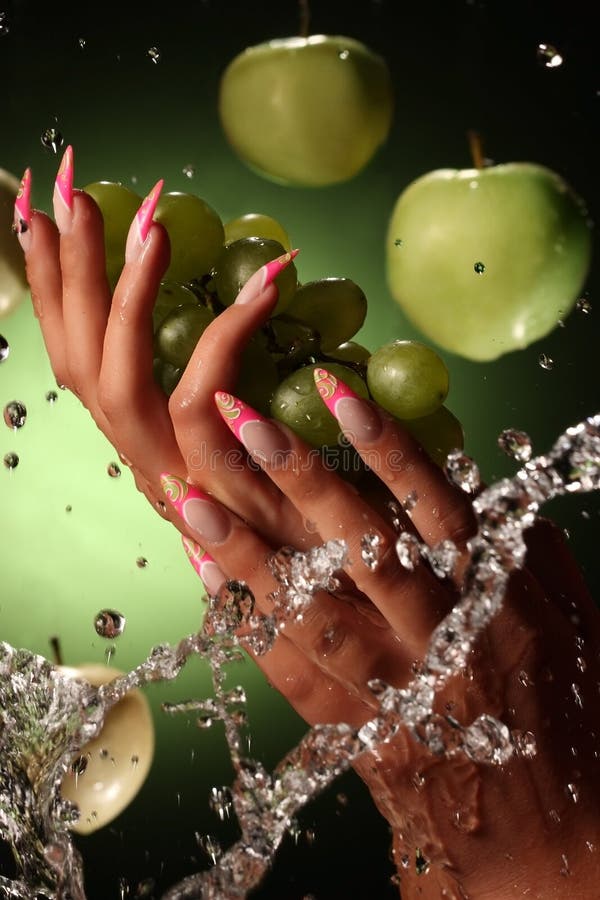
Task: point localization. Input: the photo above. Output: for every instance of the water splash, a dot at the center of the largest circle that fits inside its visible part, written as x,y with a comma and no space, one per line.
45,718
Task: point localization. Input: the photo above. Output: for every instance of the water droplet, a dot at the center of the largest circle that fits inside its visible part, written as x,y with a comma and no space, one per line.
546,362
210,845
342,799
4,348
369,550
4,23
442,558
573,792
221,802
553,814
564,869
590,846
398,242
145,889
79,765
479,268
525,743
421,864
113,470
524,679
161,506
15,414
189,171
109,653
581,664
584,306
576,691
407,548
154,54
52,139
51,397
68,508
462,471
134,761
234,605
11,460
410,501
548,56
344,54
516,444
109,623
141,562
82,42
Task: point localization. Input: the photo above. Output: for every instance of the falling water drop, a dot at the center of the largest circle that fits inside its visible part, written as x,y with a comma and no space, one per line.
479,268
407,548
546,362
11,460
113,470
462,471
82,42
154,54
4,23
370,549
516,444
109,623
584,306
4,348
141,562
15,414
548,56
52,139
410,501
189,171
51,397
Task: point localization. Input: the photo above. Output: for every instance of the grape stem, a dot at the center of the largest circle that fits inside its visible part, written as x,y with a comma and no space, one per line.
476,148
304,17
56,651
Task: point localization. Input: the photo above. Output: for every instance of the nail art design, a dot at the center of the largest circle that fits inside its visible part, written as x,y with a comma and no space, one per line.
22,214
199,510
140,227
358,419
262,438
264,277
63,192
204,565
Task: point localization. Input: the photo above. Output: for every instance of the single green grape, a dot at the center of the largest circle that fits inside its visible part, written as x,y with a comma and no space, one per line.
256,225
258,377
242,258
297,403
179,332
407,378
118,205
170,296
166,375
335,307
196,234
350,351
438,433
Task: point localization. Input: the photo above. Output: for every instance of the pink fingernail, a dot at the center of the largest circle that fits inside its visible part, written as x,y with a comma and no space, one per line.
140,227
264,277
203,514
62,199
262,438
204,565
22,215
359,421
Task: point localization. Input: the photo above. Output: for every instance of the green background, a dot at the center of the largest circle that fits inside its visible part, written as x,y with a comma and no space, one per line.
455,65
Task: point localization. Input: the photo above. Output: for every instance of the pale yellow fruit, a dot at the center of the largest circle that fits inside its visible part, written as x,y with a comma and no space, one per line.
13,283
116,763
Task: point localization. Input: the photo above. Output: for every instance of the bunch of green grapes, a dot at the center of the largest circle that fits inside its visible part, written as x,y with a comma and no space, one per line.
312,325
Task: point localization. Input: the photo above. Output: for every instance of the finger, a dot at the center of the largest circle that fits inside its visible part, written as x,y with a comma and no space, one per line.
209,449
411,602
441,512
39,239
86,293
351,647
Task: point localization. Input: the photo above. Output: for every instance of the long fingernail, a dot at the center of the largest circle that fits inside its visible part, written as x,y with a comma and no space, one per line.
62,199
22,215
204,565
203,514
359,421
140,227
264,277
262,438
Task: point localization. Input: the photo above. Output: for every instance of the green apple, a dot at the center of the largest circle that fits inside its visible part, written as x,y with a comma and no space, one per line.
108,772
485,261
307,111
12,262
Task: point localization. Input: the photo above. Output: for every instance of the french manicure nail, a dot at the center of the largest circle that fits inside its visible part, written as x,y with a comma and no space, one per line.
62,199
204,565
263,440
264,277
359,421
203,514
140,227
22,215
